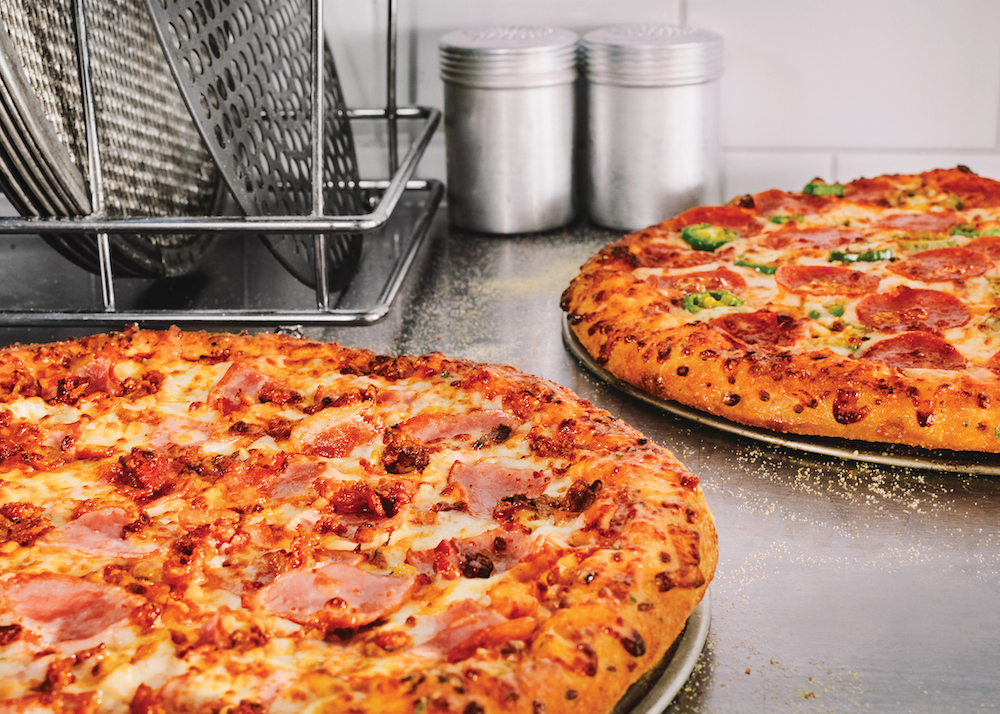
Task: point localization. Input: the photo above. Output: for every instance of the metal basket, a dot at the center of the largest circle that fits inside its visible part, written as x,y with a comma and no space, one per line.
326,183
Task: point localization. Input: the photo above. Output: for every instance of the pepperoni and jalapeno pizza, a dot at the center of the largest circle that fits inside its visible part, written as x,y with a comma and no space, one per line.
868,310
217,523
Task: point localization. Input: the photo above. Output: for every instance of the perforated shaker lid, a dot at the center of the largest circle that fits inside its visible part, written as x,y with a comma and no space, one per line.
651,55
509,56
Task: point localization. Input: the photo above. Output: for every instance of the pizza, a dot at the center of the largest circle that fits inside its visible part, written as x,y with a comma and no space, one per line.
868,310
194,522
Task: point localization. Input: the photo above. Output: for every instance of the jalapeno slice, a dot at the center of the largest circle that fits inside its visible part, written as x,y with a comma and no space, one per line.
782,220
868,256
824,189
705,236
706,300
969,231
761,268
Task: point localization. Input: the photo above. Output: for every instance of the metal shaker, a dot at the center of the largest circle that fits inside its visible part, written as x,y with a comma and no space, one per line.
652,115
509,96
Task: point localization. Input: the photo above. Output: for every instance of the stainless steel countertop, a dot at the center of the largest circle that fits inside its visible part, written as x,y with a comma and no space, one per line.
841,586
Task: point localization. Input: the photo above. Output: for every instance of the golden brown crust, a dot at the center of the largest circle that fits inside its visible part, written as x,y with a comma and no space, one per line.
171,483
802,376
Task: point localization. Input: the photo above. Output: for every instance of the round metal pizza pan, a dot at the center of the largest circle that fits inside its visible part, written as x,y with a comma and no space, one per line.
658,687
966,462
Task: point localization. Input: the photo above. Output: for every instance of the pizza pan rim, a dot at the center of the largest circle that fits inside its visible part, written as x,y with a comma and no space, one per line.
686,651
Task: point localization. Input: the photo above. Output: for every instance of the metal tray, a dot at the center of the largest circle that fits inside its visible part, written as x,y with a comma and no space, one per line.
968,462
657,688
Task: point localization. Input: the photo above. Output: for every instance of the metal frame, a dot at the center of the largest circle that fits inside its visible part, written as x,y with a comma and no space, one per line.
316,223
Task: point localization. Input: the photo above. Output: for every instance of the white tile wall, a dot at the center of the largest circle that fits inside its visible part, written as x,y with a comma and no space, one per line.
838,90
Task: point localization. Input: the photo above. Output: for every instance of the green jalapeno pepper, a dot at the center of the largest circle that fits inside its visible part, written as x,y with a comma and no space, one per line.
705,236
696,302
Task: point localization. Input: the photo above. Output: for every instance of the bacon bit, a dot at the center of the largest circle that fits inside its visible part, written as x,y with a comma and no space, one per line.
689,482
278,428
146,701
382,642
277,395
446,560
359,499
58,674
145,615
9,633
403,456
144,385
143,476
259,472
95,376
24,523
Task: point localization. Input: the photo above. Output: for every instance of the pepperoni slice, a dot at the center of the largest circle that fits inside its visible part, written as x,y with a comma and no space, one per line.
667,256
909,309
990,245
975,191
877,191
820,237
930,222
764,328
778,203
825,280
941,264
915,349
719,279
738,219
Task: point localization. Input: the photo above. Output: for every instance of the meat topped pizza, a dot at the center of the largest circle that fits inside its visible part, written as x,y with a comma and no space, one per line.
223,523
868,310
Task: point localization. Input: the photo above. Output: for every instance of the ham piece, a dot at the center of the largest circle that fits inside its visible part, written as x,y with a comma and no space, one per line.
99,533
66,612
485,484
429,427
346,595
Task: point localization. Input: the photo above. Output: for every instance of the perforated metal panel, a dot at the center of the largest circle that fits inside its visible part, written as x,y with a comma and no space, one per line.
154,162
244,68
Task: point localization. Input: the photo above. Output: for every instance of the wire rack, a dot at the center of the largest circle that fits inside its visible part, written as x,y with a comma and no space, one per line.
401,210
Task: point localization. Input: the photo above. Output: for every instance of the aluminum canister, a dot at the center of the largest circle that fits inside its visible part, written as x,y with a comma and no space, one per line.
509,122
652,136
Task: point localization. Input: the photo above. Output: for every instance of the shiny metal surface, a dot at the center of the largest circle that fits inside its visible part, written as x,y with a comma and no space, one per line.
652,122
509,99
651,152
840,587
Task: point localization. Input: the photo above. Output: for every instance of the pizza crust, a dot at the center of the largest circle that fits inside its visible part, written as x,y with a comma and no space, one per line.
791,385
286,525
